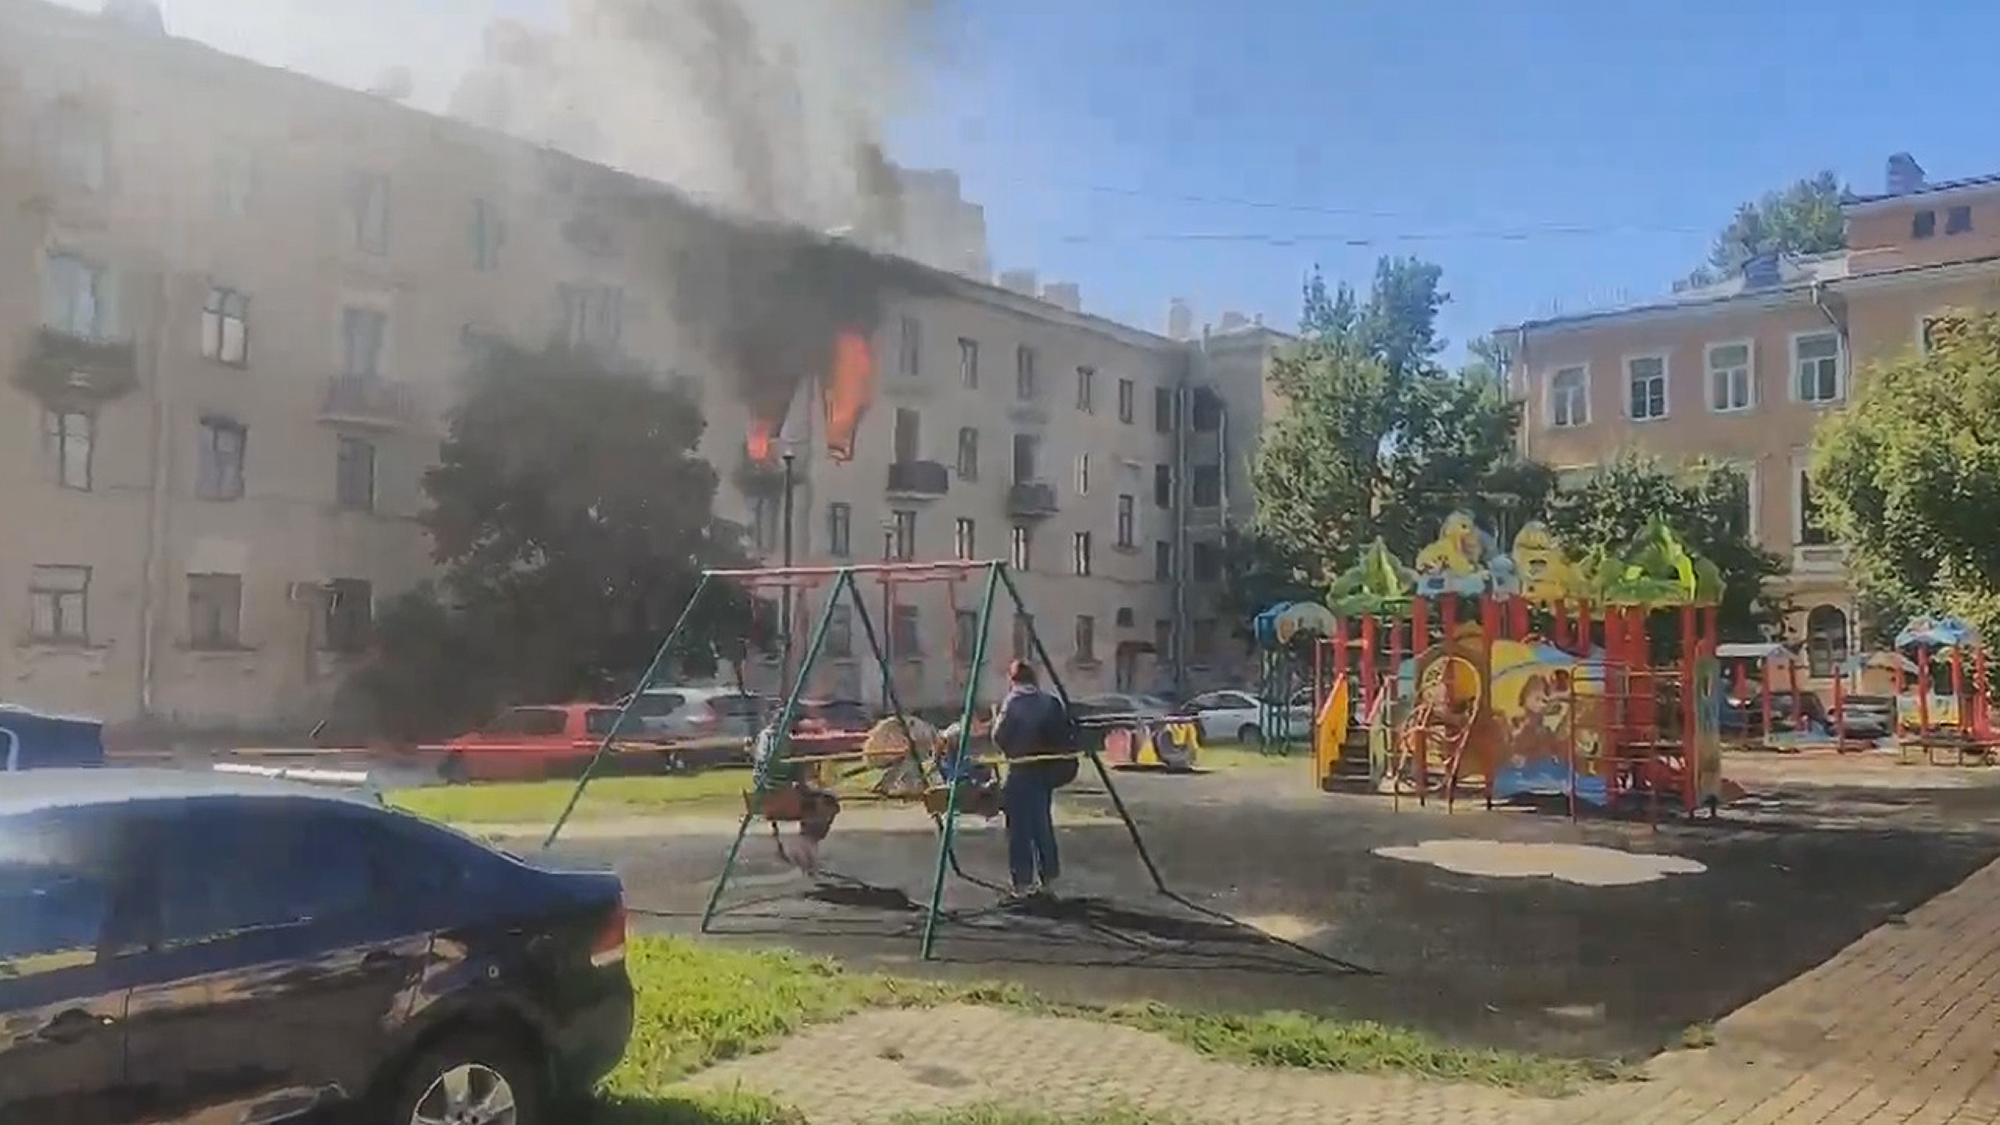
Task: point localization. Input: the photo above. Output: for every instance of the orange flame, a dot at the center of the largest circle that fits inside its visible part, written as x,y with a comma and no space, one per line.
847,392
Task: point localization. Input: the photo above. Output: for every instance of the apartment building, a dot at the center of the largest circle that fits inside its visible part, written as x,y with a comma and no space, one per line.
237,303
1743,370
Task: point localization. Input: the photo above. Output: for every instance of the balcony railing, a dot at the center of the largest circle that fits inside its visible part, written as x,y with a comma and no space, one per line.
1031,500
368,400
919,479
64,366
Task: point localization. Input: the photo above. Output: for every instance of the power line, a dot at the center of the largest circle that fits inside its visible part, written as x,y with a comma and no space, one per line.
1362,241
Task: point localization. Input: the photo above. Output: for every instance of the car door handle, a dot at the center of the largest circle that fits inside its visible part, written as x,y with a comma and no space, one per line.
72,1025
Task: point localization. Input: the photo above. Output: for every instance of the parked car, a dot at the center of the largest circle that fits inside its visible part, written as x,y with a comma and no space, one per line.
1235,716
694,713
182,948
556,740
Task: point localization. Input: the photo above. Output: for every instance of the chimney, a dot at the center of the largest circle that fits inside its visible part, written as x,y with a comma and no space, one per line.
1018,281
1064,295
1180,319
1231,321
1905,174
137,15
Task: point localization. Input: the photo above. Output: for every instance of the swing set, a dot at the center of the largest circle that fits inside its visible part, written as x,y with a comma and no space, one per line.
899,741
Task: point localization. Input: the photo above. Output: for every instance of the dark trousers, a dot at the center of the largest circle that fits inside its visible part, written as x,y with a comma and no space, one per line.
1029,802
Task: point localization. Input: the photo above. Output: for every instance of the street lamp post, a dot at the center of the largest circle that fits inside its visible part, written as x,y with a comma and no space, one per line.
785,603
888,626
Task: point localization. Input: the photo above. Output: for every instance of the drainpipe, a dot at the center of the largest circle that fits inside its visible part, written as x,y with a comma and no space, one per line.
1178,493
1520,359
1839,328
151,593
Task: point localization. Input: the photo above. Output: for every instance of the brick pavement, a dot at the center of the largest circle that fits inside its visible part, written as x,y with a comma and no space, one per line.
1901,1026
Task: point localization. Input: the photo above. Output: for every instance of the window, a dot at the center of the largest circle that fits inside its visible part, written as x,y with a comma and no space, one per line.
1080,554
1826,641
489,234
350,614
1923,224
1163,560
839,642
1027,449
1817,368
906,632
963,539
910,348
964,633
82,145
1569,398
968,453
67,439
1163,486
215,610
1127,520
1206,486
1128,394
78,297
840,529
765,517
1086,639
56,878
968,362
1202,643
220,469
288,866
1163,639
1729,378
1086,389
1646,387
904,535
225,327
1205,560
1740,517
1026,381
538,722
368,211
1166,410
1957,220
1083,474
1812,526
593,316
354,475
1019,545
907,435
59,603
1024,638
363,332
235,180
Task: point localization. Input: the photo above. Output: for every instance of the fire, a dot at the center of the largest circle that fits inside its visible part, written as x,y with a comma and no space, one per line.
847,392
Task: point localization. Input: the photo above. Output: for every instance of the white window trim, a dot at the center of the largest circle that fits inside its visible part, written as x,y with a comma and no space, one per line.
1666,386
1549,395
1800,460
1840,366
377,302
1749,366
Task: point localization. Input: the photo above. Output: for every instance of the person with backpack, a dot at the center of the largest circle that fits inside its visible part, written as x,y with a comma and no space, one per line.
1030,727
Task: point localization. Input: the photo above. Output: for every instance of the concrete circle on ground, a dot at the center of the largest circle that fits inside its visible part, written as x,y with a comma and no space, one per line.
1585,865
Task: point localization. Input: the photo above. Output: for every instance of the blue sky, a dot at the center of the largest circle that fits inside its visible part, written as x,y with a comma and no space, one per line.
1544,152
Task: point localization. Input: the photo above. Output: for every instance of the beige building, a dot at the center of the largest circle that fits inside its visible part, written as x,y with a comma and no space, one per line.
238,300
1742,371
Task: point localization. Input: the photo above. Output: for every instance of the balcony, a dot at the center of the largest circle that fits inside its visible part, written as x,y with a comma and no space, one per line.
1031,500
367,401
918,480
62,367
764,478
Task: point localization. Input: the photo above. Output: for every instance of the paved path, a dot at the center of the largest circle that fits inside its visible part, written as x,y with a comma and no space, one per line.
1902,1026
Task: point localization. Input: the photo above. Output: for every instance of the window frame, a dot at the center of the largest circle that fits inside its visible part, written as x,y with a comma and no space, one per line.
223,485
343,471
57,441
219,639
223,305
1666,385
39,590
1748,368
1551,392
1839,358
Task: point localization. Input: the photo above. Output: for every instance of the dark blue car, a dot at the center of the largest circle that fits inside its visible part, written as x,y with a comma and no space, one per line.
181,948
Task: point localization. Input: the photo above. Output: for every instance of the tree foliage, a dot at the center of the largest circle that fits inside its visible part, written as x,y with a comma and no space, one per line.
1909,475
571,519
1804,218
1706,507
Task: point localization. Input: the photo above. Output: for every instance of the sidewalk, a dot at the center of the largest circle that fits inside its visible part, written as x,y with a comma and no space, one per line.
1901,1026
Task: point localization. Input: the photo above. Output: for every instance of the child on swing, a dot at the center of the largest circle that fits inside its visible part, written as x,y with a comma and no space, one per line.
789,794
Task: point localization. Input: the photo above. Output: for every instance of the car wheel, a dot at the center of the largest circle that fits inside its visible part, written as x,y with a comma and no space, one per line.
1248,733
453,770
476,1080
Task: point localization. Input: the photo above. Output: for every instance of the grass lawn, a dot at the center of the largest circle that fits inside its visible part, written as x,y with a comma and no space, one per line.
540,802
700,1004
1229,757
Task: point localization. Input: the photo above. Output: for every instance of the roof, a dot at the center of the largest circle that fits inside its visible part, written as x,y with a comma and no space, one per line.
1966,183
30,790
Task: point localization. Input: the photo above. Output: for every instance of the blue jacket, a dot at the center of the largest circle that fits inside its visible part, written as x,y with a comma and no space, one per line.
1026,716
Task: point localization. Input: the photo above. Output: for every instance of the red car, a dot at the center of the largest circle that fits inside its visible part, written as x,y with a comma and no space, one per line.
531,743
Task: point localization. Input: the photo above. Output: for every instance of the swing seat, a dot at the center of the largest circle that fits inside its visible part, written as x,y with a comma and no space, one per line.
787,805
973,800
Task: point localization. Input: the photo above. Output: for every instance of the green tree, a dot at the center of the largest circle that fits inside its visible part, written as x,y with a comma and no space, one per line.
1804,218
1908,475
1707,508
571,518
1376,438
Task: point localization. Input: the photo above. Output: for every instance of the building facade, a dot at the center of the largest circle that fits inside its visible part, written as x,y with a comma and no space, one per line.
237,304
1742,371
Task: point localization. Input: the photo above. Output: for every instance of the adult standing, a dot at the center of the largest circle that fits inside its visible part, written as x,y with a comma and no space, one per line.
1030,727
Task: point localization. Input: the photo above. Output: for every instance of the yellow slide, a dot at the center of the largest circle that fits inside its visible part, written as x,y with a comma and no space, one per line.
1330,730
